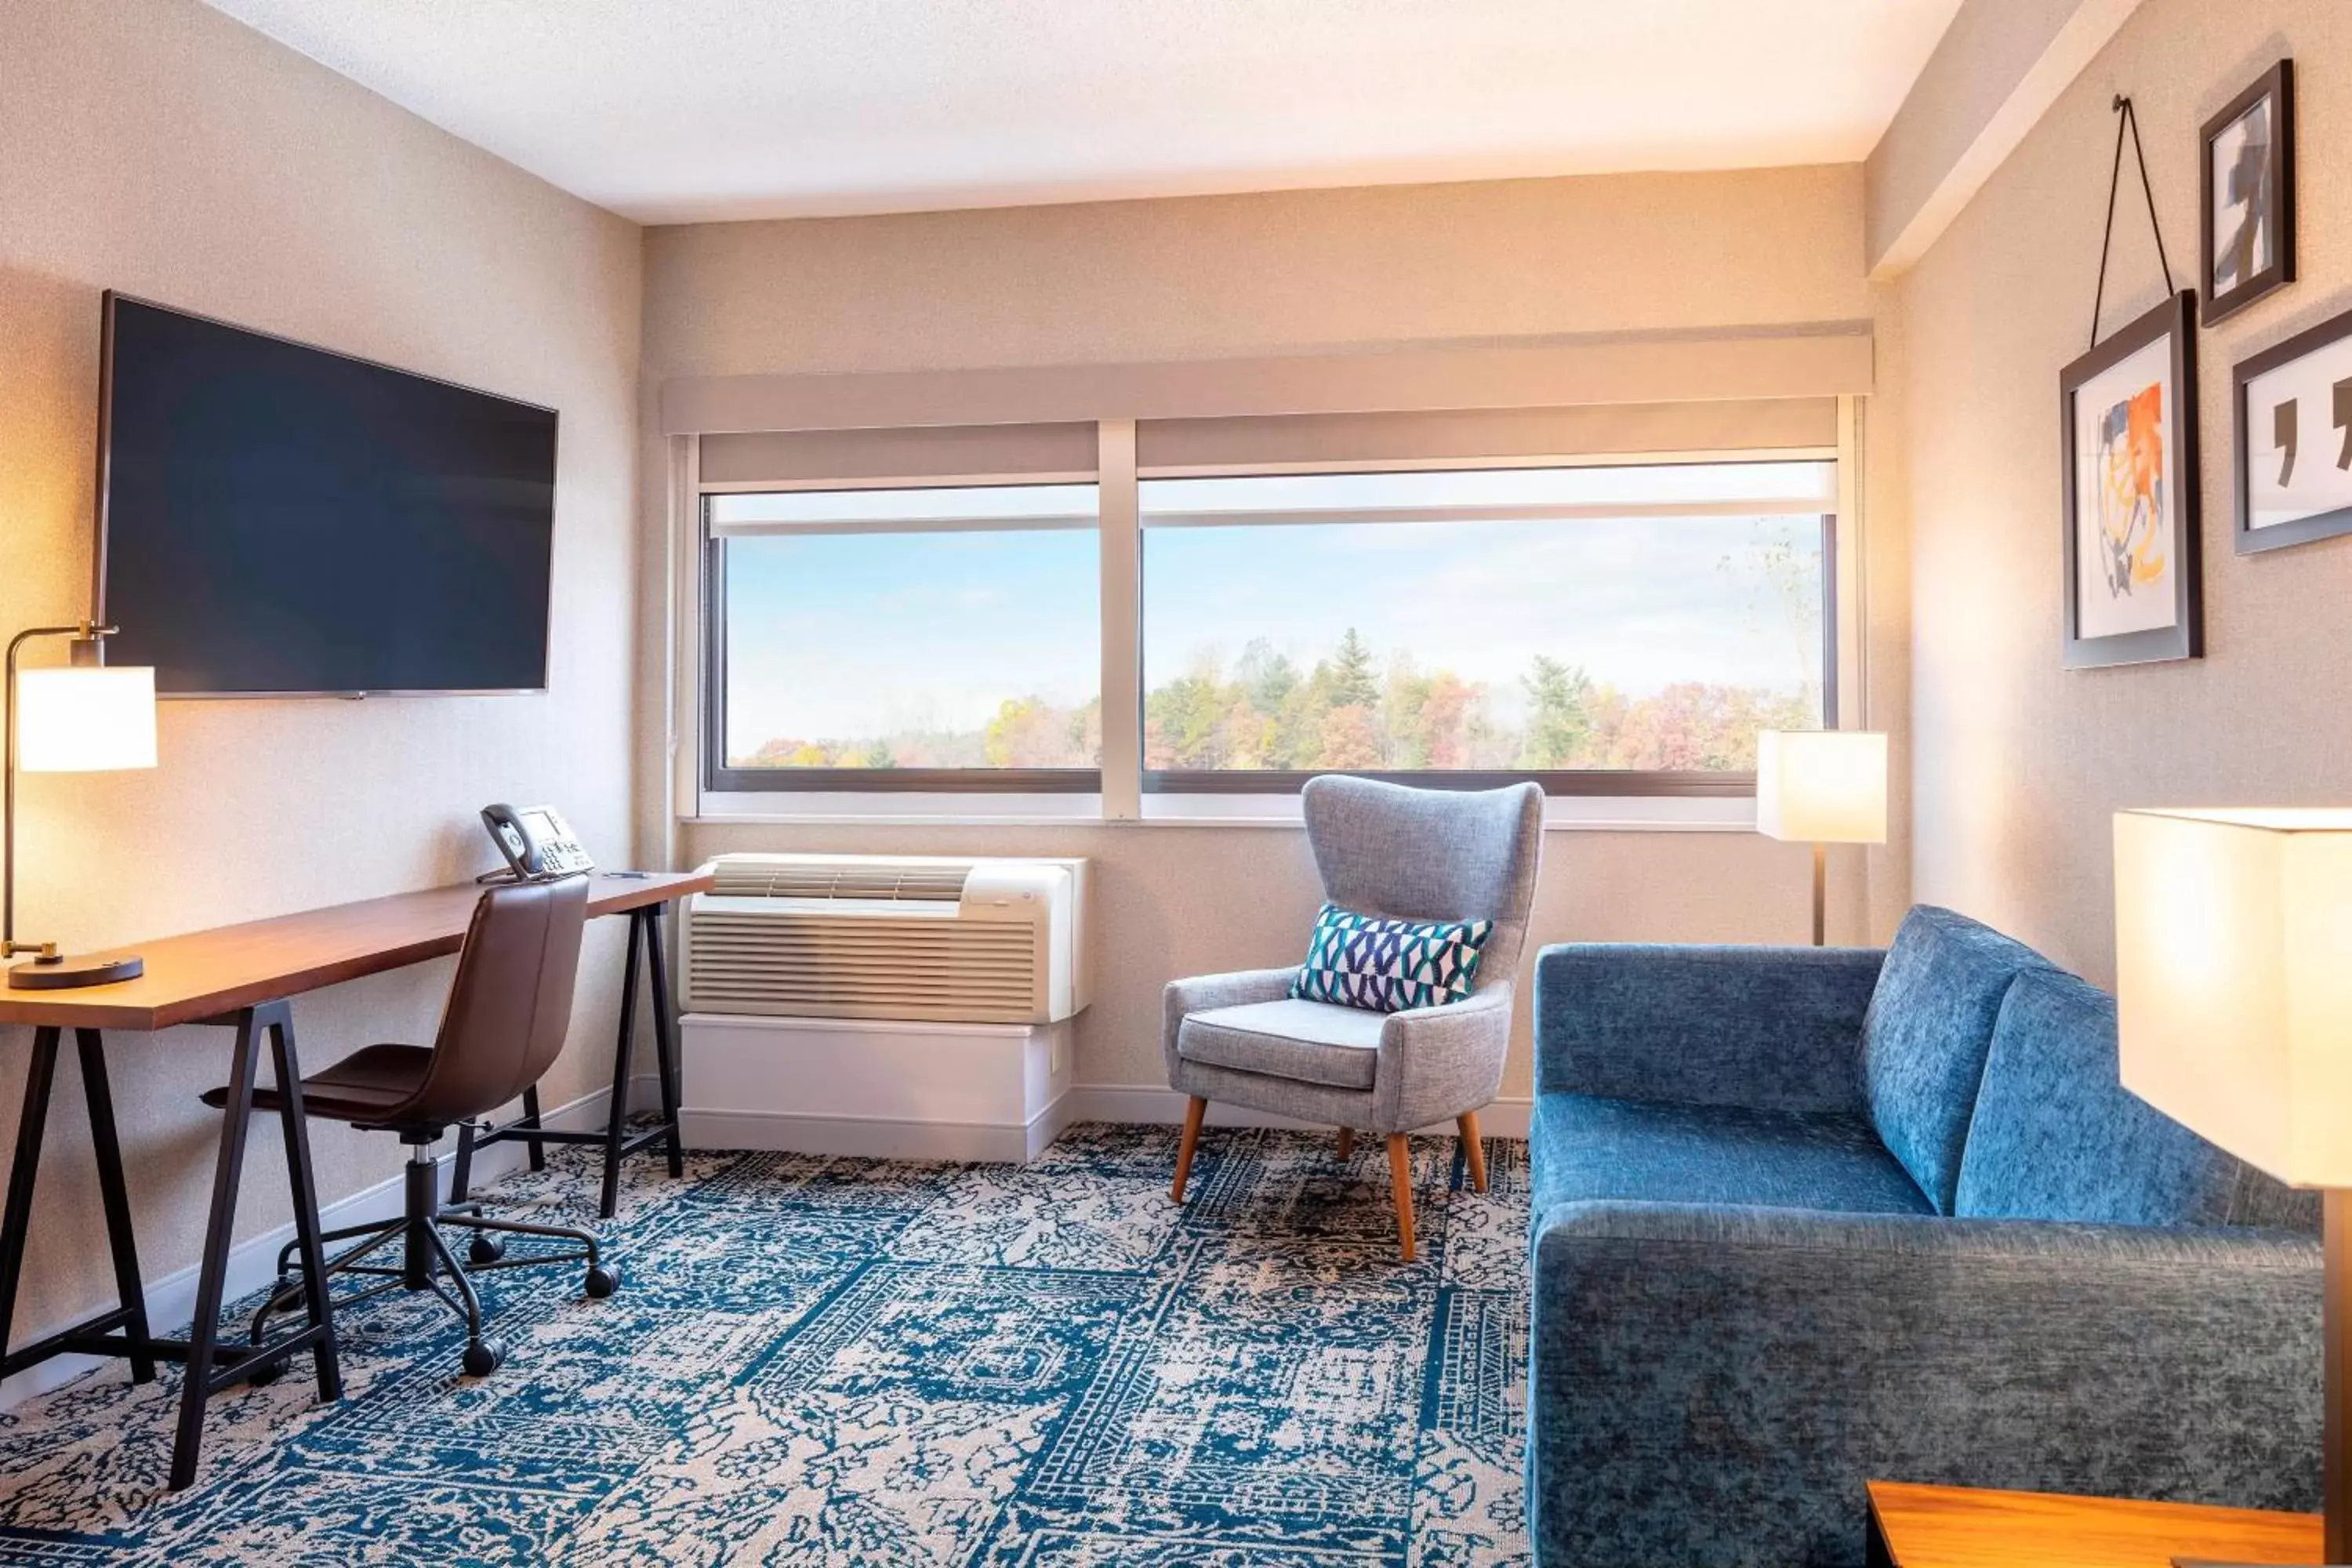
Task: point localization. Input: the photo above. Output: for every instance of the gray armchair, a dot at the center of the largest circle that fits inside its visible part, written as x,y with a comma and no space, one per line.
1408,854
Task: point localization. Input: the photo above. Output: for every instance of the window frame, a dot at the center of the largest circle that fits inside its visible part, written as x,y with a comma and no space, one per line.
722,792
719,777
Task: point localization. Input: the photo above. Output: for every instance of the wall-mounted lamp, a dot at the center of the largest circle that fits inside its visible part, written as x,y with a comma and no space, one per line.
80,718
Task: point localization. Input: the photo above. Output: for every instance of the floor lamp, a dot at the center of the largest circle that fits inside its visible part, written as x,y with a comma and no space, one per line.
1822,787
78,718
2233,991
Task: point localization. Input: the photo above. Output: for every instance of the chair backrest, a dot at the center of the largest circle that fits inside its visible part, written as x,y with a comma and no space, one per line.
511,1003
1431,855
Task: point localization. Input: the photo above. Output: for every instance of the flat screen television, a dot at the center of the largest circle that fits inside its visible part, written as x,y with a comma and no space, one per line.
276,519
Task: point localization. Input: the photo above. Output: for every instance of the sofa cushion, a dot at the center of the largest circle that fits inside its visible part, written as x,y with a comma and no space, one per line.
1583,1147
1310,1042
2057,1136
1925,1037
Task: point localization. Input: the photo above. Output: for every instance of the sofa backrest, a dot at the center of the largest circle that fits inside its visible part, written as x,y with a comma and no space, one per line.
1926,1035
2057,1136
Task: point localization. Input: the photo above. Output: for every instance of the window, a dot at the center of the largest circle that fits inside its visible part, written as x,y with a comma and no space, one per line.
1610,630
889,638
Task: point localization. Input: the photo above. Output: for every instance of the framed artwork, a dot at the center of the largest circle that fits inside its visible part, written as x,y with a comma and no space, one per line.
2249,195
2291,407
2127,416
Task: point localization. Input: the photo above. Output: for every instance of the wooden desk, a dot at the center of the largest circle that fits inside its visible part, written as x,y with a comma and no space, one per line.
1962,1526
244,977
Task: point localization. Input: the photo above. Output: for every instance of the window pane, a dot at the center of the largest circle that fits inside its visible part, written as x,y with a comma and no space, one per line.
975,649
1656,641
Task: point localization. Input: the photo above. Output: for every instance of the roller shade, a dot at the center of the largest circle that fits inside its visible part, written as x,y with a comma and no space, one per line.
880,456
1358,440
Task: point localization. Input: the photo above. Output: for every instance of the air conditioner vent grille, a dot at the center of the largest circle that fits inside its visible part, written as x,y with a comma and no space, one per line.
756,878
836,966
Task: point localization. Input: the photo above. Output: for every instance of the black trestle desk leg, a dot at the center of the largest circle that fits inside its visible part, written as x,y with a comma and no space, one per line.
664,1035
530,1119
304,1191
17,1220
212,1274
616,1115
115,1193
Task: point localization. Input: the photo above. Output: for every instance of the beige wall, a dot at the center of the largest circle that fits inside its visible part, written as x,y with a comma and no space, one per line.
1245,275
157,147
2018,763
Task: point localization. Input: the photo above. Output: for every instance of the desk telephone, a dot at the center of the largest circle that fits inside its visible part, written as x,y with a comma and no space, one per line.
536,841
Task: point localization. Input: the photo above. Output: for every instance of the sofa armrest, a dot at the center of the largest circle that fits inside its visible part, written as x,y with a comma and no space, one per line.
1772,1028
1438,1062
1717,1384
1199,993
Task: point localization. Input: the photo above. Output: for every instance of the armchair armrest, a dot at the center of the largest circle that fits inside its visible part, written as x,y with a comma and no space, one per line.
1715,1384
1772,1028
1438,1062
1199,993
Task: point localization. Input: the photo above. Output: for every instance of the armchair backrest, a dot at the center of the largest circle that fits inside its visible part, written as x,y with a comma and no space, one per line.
1431,855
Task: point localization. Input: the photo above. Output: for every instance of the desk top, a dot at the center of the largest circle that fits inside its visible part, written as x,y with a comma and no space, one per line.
206,974
1961,1527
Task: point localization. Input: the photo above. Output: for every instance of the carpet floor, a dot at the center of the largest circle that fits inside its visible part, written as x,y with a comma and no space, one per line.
852,1362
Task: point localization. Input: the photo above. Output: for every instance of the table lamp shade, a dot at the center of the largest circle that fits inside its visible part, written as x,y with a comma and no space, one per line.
85,719
2233,971
1821,786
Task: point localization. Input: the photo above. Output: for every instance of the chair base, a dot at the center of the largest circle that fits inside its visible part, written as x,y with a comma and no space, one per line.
428,1262
1473,1153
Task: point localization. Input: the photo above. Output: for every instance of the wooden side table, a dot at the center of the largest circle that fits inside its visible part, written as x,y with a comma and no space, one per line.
1962,1526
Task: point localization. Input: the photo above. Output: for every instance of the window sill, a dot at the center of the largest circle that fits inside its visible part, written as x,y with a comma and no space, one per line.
1562,813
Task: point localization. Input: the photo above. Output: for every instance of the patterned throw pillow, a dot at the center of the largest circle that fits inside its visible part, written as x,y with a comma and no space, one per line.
1387,966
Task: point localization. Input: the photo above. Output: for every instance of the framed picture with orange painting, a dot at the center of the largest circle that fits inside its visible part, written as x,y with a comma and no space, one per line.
2128,414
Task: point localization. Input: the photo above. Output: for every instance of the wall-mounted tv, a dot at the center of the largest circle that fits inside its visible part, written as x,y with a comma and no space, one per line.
276,519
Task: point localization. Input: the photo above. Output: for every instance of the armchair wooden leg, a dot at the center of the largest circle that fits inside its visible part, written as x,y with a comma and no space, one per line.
1400,1181
1347,1144
1192,1114
1473,1149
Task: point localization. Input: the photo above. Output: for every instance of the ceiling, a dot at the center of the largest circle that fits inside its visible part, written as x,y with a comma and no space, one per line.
681,110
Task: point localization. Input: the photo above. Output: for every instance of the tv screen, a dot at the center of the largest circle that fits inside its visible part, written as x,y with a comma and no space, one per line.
276,519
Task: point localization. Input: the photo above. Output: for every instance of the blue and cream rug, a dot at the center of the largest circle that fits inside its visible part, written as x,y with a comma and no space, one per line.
843,1361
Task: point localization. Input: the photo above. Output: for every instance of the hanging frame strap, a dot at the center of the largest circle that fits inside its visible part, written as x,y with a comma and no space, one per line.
2126,120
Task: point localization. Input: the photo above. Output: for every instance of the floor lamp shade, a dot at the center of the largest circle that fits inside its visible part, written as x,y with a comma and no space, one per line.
1821,786
2233,971
90,719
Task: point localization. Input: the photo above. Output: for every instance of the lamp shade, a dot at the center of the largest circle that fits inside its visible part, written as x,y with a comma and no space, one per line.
85,719
2233,978
1821,786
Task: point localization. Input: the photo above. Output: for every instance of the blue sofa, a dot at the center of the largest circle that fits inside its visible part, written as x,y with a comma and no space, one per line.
1804,1218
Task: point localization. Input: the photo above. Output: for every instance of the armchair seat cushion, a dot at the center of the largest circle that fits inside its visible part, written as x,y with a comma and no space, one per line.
1307,1042
1586,1148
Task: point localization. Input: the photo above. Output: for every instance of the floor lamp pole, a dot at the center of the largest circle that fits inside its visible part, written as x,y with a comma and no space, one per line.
1821,891
2335,1476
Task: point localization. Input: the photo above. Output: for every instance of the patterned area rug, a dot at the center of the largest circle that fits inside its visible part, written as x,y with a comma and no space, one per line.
847,1361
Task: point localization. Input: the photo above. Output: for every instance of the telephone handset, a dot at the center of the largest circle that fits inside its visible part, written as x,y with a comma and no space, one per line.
536,841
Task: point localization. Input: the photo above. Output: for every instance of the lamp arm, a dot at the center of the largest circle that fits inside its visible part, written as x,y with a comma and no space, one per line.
9,947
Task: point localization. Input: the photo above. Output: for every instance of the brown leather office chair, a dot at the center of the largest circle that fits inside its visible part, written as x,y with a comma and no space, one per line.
508,1008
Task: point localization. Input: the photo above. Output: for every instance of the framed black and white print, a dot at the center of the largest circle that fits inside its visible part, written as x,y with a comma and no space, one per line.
2291,406
2249,195
2127,416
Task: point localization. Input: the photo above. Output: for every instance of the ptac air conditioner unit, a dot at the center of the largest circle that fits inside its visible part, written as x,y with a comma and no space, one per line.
920,938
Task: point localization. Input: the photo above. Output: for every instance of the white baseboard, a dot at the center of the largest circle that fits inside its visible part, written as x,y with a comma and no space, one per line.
253,1262
879,1137
1147,1103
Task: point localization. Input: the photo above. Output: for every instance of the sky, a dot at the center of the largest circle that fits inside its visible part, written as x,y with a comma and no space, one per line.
852,635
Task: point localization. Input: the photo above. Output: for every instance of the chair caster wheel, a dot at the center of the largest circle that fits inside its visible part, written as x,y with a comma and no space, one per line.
484,1248
602,1281
483,1357
263,1376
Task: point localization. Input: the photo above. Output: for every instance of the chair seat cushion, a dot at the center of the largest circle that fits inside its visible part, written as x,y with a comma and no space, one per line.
360,1087
1308,1042
1583,1147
